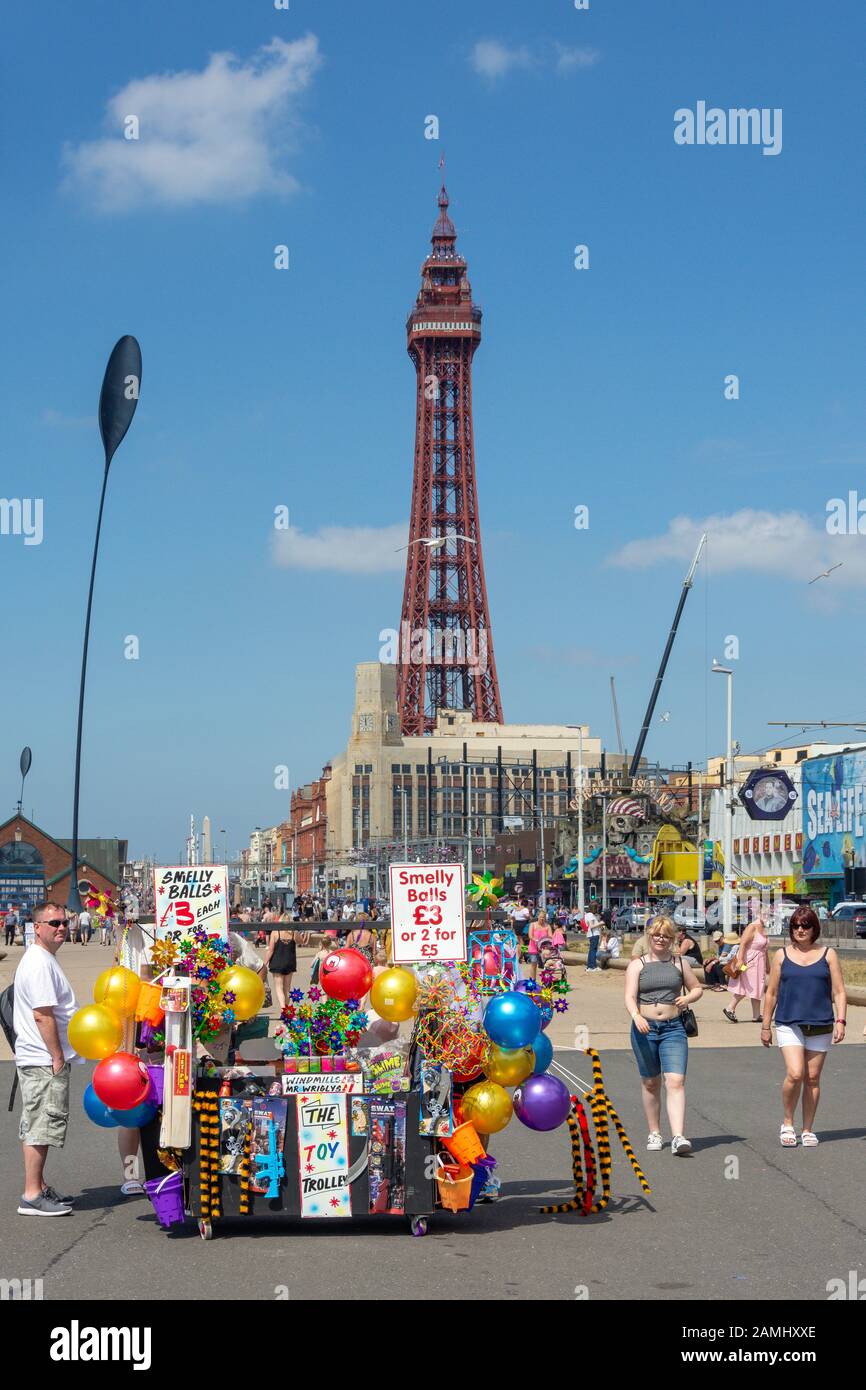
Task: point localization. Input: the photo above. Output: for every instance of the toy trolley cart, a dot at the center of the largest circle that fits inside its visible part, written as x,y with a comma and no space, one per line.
257,1154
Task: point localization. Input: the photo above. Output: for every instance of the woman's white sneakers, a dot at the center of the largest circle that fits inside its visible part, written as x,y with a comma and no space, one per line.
654,1142
680,1145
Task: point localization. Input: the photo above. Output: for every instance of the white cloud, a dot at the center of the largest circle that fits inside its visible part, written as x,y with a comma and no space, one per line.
492,58
343,549
567,59
204,137
57,420
786,544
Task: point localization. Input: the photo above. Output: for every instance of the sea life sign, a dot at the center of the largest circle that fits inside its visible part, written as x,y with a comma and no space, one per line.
323,1155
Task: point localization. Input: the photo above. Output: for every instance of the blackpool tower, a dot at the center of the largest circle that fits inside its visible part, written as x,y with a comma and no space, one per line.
446,646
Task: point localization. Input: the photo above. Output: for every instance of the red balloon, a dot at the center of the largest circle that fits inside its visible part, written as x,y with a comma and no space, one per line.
473,1064
121,1081
346,974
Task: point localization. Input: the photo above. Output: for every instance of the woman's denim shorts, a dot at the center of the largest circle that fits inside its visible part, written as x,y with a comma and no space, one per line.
664,1048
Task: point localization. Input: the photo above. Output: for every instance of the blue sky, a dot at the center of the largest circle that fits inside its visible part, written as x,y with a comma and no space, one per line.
262,388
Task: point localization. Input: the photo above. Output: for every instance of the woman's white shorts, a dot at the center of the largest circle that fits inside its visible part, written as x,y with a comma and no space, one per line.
792,1035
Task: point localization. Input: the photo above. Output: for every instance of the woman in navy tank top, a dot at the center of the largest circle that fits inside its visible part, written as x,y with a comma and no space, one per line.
805,983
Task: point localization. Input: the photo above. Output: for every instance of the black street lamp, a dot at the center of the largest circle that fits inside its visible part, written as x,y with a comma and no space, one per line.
118,399
24,764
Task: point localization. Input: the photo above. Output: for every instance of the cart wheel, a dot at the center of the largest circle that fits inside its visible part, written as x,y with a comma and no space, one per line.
205,1230
418,1225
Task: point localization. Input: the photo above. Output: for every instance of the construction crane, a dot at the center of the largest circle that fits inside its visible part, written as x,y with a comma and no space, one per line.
647,719
616,715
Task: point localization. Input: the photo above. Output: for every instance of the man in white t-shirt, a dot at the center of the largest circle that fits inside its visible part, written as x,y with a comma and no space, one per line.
44,1004
593,934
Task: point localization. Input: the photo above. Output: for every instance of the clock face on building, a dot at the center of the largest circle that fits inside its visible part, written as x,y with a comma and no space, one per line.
768,795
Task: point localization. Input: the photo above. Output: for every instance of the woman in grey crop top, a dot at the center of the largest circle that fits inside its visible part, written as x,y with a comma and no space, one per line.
657,986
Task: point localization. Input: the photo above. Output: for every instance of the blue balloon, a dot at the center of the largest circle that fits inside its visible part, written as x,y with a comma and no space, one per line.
511,1019
97,1111
543,1049
138,1116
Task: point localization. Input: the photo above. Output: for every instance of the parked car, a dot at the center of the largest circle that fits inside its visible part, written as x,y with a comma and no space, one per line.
739,910
634,918
690,917
851,914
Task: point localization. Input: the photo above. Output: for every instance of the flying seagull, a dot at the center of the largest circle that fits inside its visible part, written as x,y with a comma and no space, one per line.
664,718
826,573
436,542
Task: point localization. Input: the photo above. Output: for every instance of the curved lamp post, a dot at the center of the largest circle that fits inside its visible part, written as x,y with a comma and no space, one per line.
117,402
24,764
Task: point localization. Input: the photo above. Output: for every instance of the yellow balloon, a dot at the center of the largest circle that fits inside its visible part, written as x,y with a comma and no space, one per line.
487,1106
393,994
118,988
96,1031
247,988
508,1066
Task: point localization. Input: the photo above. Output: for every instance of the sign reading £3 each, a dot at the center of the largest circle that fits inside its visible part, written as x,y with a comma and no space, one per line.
189,896
428,920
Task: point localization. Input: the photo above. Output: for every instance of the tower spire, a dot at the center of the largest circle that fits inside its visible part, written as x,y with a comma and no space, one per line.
444,232
444,593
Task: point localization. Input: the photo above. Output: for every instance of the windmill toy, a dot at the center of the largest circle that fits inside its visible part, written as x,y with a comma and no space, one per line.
493,951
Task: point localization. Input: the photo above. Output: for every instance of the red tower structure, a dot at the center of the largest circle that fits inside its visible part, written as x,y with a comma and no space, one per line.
446,646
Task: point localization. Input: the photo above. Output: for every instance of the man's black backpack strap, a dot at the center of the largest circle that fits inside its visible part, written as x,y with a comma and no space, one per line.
7,1023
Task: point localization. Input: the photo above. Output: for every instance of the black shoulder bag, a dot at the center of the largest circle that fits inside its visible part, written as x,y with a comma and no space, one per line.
687,1015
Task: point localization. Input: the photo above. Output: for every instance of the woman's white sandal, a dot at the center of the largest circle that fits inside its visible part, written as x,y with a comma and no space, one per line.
809,1139
788,1137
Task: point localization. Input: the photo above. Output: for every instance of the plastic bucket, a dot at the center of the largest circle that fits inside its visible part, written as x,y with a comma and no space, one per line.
157,1084
455,1187
148,1008
464,1144
166,1194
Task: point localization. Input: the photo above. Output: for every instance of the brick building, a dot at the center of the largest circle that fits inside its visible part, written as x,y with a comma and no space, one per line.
309,829
33,865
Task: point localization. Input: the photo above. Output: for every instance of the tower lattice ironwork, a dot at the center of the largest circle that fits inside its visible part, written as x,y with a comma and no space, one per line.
446,645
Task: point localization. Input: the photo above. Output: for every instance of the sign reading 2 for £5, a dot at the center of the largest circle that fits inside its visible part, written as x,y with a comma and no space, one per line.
427,912
189,896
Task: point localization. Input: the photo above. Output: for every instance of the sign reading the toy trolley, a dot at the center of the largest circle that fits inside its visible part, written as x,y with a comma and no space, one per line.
189,896
323,1155
428,920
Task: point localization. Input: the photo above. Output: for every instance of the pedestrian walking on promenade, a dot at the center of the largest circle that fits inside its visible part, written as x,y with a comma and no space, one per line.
750,979
85,928
805,983
281,958
593,936
658,986
44,1004
9,926
539,931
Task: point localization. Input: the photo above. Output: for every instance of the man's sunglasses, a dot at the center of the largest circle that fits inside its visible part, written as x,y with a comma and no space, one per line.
55,922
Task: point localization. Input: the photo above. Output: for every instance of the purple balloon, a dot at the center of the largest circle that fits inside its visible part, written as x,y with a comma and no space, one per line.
542,1102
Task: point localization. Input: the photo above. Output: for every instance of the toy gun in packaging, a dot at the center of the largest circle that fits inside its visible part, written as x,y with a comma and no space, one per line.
271,1165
